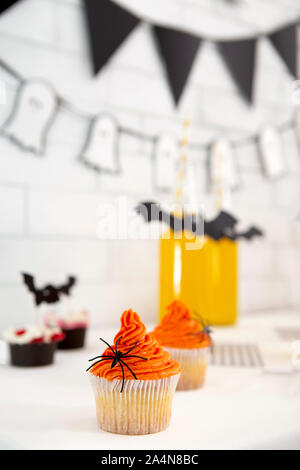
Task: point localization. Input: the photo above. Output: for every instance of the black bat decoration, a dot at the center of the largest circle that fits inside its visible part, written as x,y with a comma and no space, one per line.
221,226
151,211
248,234
217,227
48,294
65,288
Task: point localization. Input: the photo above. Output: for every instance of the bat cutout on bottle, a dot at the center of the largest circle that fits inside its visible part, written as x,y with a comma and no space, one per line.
222,226
49,294
247,234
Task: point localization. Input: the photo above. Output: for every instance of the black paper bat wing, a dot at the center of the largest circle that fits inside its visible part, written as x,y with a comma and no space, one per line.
66,288
250,233
222,226
29,282
217,228
47,294
151,212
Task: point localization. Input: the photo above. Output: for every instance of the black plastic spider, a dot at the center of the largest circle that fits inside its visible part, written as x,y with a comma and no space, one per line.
205,325
205,329
117,358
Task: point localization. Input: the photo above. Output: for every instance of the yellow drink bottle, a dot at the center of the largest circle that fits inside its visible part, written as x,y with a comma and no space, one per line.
200,271
204,277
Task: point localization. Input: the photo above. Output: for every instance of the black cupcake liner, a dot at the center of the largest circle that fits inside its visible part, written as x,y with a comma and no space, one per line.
74,339
32,355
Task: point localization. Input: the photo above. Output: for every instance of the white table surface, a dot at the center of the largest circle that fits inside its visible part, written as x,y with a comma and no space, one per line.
239,408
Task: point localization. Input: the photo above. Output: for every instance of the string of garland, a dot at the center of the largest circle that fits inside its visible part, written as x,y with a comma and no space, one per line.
110,24
43,102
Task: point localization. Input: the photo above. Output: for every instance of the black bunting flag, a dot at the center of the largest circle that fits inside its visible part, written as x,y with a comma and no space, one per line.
178,50
240,60
5,4
285,42
109,25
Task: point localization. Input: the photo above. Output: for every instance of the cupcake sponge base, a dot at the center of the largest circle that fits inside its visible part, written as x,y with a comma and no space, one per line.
144,406
193,363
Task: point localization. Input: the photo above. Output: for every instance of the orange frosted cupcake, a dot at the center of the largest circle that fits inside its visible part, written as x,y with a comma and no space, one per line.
134,381
188,341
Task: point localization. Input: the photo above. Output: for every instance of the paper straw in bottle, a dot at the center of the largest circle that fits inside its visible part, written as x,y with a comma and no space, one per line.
221,186
181,169
179,201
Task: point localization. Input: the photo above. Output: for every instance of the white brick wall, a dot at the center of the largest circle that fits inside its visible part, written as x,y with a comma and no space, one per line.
48,204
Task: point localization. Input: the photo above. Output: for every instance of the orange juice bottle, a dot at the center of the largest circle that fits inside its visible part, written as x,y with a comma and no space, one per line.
221,277
199,271
205,277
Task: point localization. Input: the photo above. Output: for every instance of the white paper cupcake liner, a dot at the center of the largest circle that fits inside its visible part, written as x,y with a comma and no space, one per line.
144,406
193,363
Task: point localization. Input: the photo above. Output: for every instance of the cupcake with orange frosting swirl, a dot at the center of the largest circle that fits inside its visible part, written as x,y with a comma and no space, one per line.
188,341
134,381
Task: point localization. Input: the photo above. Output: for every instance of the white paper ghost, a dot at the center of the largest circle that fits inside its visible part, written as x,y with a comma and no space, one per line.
223,166
32,115
190,194
100,150
271,153
165,161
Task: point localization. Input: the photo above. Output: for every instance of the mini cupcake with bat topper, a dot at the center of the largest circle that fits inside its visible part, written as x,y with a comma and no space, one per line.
188,339
35,345
74,323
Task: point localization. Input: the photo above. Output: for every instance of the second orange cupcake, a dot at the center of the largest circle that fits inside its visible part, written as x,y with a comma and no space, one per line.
187,342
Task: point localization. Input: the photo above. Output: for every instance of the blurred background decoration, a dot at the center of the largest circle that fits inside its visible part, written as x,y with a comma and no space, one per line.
88,115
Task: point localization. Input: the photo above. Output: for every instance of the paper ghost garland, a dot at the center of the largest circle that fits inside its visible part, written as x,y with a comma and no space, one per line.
165,158
222,165
33,112
270,150
100,151
36,105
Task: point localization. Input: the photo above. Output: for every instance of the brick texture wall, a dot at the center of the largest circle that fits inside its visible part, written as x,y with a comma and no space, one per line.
48,204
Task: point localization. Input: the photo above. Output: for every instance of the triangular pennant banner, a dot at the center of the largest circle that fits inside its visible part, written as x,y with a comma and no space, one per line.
285,42
178,50
240,60
109,25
